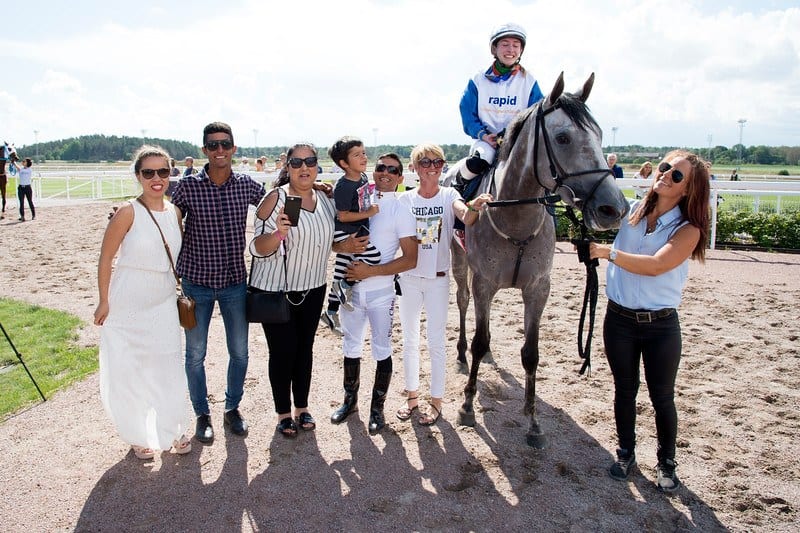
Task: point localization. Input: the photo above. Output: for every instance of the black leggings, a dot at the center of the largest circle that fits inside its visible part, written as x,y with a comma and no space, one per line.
659,346
23,192
291,351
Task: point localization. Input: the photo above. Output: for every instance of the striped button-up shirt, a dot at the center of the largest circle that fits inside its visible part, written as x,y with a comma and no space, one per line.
214,232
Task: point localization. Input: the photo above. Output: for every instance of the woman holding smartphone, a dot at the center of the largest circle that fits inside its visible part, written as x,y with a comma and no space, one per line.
295,256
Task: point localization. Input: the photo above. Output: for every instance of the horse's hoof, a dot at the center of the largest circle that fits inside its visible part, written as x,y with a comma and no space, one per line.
462,367
537,441
466,418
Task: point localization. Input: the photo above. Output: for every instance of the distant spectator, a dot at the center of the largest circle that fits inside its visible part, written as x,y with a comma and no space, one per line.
734,175
244,166
173,168
24,189
189,170
615,168
645,171
260,164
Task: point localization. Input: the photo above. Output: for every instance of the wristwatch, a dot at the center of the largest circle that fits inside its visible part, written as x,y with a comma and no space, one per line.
612,255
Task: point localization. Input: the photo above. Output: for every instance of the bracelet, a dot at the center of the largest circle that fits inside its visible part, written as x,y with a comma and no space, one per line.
278,235
469,206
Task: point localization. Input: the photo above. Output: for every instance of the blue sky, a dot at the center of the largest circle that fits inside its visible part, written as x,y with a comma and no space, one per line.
669,72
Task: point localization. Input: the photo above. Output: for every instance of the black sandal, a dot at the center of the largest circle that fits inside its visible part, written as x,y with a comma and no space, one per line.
287,428
305,421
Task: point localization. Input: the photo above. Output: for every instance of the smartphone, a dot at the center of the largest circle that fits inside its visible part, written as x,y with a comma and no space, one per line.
292,209
363,231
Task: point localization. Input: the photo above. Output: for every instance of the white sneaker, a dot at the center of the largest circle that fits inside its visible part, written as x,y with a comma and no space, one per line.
344,292
332,321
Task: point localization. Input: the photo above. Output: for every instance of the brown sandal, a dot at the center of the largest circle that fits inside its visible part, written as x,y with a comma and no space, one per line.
404,413
429,419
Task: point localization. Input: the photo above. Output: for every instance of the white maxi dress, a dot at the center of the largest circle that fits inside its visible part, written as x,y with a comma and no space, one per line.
142,379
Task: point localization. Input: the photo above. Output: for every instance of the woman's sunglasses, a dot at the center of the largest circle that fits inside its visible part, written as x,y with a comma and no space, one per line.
426,162
297,162
149,173
226,144
391,169
677,176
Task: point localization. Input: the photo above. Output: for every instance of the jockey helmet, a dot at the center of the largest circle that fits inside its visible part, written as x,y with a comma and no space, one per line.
508,30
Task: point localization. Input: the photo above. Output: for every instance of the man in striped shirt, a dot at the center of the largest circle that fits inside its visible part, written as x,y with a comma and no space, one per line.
215,204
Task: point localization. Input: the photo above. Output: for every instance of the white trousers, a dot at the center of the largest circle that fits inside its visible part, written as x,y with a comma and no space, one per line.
486,152
432,294
375,307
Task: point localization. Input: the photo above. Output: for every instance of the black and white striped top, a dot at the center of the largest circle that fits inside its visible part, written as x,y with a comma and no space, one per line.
308,247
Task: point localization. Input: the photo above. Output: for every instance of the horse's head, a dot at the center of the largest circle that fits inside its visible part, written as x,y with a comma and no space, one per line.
560,144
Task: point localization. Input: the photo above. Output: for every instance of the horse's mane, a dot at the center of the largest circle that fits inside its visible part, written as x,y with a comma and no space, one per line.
573,106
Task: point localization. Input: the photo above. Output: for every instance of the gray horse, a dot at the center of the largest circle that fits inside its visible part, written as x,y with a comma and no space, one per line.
552,147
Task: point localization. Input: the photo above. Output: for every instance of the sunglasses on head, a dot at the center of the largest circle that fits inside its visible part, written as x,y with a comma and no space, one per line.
677,176
426,162
149,173
297,162
391,169
226,144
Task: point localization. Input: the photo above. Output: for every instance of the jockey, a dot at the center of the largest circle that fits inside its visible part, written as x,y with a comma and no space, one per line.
493,98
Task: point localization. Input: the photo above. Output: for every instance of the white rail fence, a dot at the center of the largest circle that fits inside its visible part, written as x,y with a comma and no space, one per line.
110,184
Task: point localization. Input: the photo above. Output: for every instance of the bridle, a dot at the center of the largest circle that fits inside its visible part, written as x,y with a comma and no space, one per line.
559,176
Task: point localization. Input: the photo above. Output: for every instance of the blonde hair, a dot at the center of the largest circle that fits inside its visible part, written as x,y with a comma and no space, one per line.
420,150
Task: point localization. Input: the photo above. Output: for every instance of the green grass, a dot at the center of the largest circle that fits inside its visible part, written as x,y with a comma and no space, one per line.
46,341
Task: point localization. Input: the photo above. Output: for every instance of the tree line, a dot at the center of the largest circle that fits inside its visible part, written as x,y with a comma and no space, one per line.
97,148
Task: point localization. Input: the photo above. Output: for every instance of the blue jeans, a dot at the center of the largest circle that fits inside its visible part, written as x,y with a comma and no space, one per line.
232,306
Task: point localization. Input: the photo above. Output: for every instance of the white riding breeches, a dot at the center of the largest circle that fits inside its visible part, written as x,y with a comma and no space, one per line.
375,307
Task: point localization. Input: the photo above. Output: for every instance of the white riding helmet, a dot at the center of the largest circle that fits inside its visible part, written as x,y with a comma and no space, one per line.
508,30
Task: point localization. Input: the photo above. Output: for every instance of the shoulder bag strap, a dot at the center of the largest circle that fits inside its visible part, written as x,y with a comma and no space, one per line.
166,246
253,259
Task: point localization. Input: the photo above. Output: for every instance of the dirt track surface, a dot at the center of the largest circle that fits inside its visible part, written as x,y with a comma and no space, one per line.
64,468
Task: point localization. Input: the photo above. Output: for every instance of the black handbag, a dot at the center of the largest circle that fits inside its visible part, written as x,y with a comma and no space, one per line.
267,307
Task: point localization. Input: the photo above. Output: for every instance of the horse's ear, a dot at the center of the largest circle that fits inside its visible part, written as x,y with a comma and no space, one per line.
586,90
558,88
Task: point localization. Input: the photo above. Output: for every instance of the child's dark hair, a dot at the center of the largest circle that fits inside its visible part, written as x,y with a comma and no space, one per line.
338,152
28,162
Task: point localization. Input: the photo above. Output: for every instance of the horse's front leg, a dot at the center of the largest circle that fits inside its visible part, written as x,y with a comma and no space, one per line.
535,298
482,293
461,275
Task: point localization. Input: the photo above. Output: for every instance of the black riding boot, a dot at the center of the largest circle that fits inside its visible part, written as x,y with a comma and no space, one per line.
352,369
379,390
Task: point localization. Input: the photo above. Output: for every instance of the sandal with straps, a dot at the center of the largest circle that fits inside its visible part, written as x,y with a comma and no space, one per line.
404,413
182,445
431,417
287,427
143,453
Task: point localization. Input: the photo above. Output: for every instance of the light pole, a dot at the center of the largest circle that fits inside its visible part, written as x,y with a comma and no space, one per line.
375,141
144,136
255,141
741,122
36,140
709,148
613,137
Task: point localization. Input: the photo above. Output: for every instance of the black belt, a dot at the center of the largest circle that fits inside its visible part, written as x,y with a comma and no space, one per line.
441,274
641,316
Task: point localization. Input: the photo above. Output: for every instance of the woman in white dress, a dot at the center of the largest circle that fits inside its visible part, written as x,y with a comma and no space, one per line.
142,380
